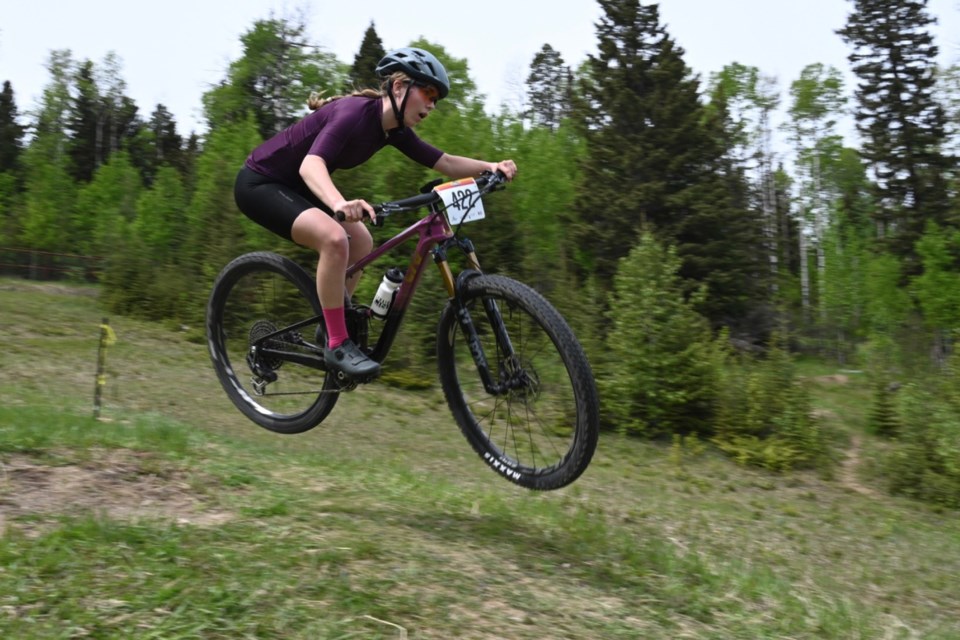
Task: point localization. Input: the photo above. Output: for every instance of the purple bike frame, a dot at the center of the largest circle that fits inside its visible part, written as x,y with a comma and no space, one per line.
430,230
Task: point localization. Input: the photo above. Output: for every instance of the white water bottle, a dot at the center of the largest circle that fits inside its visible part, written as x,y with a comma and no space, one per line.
386,292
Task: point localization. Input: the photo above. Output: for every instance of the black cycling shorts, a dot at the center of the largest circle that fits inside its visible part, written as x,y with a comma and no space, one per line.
271,204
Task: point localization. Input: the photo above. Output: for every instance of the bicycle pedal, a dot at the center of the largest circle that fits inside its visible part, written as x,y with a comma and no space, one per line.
344,382
349,383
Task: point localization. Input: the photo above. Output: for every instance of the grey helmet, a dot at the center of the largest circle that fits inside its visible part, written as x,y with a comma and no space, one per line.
419,64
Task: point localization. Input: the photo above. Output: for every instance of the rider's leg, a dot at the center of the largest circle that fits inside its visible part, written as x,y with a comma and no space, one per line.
317,230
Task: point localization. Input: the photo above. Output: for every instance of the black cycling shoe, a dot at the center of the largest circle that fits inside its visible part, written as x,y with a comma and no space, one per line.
350,363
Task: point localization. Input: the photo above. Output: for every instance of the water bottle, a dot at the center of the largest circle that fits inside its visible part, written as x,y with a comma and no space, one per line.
386,292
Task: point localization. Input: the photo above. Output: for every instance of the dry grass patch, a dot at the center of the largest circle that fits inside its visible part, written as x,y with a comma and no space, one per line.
118,483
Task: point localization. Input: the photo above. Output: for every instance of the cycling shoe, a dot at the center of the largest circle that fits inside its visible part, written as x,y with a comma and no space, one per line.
350,363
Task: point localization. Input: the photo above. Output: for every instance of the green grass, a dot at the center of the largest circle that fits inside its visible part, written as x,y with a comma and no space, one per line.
174,517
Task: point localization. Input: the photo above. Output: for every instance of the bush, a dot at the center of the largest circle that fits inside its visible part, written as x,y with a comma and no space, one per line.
883,419
763,414
924,462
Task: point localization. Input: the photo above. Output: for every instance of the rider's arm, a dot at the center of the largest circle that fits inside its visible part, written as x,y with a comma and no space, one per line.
314,172
460,167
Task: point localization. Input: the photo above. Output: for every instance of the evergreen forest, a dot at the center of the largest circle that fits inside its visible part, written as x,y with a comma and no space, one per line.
697,262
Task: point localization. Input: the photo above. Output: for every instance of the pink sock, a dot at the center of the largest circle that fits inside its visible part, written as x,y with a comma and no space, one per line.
336,327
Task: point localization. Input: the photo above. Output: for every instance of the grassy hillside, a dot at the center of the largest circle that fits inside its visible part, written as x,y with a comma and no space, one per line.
174,517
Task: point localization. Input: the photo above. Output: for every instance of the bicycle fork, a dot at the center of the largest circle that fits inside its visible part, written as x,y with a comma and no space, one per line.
504,345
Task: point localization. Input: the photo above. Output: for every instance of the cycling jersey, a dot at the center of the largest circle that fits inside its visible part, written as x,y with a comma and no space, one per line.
345,133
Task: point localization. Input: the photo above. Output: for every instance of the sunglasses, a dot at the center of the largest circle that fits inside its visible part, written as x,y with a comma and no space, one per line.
429,92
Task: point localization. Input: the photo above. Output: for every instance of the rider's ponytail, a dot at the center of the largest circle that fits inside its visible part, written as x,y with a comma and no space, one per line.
316,99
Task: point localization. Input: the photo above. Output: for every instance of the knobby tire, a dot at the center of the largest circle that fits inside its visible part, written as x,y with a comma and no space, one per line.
541,434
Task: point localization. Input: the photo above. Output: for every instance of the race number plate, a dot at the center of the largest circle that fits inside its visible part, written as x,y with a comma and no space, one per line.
461,198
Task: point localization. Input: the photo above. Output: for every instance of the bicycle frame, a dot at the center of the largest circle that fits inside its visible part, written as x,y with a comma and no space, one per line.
434,234
431,230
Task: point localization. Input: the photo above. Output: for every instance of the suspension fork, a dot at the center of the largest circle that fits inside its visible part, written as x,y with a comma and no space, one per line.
467,326
493,311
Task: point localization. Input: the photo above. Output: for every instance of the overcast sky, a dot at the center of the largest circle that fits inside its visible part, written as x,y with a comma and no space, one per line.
174,50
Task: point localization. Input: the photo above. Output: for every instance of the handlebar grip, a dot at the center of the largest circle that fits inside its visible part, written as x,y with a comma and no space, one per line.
377,218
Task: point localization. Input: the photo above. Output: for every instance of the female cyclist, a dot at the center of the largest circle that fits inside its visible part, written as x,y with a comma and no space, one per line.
286,186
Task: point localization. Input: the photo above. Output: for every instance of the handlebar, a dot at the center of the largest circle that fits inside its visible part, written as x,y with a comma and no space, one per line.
486,182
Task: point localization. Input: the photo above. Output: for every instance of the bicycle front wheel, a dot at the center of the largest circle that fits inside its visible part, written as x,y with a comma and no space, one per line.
256,305
535,419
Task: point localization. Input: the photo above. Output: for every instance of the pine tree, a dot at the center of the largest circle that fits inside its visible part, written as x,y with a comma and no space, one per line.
363,73
659,377
651,162
743,100
548,88
901,123
11,131
85,126
724,242
883,419
617,198
11,150
158,144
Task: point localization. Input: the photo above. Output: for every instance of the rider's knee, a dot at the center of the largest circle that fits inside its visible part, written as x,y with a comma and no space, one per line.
335,241
361,241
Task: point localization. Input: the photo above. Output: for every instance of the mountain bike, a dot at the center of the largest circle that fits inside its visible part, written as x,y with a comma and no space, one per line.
512,371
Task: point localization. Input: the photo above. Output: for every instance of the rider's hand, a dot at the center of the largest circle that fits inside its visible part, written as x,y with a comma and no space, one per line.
508,168
354,210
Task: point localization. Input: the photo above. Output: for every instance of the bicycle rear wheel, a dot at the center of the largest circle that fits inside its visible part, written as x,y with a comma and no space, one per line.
260,295
539,427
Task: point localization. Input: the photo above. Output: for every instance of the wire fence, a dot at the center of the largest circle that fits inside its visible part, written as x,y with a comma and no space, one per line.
48,265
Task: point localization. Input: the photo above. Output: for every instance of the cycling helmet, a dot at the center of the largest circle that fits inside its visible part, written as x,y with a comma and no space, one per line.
419,64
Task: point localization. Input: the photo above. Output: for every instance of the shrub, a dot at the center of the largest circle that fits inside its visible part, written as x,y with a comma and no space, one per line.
763,414
883,419
924,462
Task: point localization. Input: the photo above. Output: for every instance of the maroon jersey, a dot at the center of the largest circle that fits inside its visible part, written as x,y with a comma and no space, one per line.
345,133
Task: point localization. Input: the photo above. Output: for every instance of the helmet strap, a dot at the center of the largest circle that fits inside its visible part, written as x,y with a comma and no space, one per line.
399,111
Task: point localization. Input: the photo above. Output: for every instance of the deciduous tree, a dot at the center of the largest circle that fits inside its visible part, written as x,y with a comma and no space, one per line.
271,81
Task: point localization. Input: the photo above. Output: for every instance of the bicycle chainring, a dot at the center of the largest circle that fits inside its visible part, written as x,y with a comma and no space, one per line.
358,325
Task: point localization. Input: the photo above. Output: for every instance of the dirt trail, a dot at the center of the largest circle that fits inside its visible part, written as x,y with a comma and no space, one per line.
848,469
114,483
